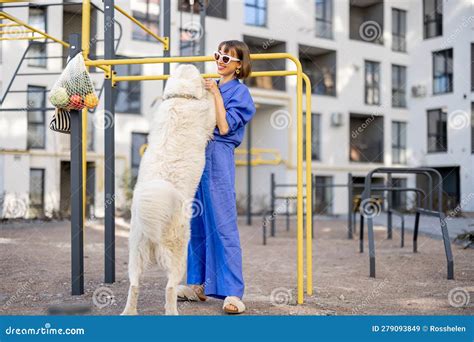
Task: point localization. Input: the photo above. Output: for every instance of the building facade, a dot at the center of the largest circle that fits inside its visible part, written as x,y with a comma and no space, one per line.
392,85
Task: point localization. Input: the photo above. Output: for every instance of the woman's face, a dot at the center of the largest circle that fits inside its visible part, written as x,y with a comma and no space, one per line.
227,69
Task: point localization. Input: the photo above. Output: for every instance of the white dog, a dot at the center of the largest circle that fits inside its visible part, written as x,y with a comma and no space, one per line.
169,174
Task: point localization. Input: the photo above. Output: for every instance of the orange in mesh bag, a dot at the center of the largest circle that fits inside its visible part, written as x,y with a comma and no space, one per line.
74,88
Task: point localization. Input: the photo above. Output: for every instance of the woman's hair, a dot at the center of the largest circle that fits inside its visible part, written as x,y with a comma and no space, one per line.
242,52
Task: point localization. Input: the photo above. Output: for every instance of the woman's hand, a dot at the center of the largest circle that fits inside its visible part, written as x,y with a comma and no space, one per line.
211,85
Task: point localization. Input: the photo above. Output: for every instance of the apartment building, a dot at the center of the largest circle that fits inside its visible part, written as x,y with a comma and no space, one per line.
392,85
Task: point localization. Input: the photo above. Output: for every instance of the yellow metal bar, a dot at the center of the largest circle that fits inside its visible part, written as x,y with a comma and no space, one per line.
299,183
165,77
309,190
16,32
164,40
184,59
23,38
257,158
22,23
85,45
9,25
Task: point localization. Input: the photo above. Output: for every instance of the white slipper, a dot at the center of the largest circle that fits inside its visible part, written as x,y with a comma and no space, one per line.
187,293
236,302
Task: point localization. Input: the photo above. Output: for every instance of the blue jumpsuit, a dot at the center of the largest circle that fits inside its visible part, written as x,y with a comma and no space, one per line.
214,253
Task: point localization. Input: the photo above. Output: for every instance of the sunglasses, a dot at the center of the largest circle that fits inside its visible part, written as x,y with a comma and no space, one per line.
226,59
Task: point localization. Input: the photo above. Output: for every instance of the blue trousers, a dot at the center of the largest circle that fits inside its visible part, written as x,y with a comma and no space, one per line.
214,252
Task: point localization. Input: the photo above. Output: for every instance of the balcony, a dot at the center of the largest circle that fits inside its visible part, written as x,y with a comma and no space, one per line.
366,21
320,66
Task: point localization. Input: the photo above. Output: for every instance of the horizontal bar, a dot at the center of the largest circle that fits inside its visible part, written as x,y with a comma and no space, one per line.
25,109
182,59
287,197
144,28
428,212
165,77
9,25
23,38
16,32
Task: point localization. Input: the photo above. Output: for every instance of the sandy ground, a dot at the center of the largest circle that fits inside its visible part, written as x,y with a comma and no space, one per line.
35,274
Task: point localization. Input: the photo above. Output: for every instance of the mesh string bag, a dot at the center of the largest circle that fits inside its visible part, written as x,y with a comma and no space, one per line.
74,89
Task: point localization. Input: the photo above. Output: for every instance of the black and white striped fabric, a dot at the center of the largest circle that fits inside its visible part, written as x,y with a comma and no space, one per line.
61,121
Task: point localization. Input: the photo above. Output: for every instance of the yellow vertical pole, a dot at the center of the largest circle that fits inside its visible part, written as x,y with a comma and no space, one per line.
86,33
299,181
309,191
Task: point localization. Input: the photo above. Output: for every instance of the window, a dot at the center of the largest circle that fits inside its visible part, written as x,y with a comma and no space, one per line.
432,18
399,82
372,83
36,194
324,18
472,127
128,99
189,40
256,12
472,67
138,140
214,8
315,135
36,97
443,71
366,142
321,70
399,143
217,9
323,200
37,50
399,27
437,131
148,13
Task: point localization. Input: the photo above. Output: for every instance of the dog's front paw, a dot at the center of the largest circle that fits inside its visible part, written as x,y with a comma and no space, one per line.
129,312
171,312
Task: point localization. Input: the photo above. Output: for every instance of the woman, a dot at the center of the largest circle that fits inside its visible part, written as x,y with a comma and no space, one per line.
214,253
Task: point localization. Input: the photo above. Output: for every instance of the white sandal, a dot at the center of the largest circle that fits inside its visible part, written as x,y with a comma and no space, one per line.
188,293
238,305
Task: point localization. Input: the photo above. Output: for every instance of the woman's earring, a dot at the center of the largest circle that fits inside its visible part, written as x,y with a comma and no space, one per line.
237,71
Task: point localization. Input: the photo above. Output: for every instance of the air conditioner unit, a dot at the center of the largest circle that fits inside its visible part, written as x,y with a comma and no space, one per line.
418,91
336,119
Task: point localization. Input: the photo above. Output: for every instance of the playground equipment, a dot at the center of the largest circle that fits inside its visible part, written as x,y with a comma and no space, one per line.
81,43
419,192
437,213
111,79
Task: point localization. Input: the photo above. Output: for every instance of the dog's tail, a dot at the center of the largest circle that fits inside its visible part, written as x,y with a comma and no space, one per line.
155,204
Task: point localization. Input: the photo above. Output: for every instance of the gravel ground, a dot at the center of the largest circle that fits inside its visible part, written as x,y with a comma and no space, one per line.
35,274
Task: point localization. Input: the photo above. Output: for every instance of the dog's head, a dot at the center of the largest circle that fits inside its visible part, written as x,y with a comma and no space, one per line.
185,80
